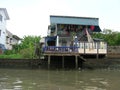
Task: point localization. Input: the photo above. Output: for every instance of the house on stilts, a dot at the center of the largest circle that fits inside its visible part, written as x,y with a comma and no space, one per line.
70,37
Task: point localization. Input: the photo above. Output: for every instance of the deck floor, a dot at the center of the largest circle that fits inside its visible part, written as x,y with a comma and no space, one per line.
61,53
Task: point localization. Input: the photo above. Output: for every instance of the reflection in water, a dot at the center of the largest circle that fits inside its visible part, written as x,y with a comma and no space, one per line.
13,79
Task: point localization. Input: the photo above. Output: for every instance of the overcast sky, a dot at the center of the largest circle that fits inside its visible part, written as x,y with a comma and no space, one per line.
31,17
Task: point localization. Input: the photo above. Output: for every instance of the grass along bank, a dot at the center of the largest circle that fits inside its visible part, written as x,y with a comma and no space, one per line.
11,56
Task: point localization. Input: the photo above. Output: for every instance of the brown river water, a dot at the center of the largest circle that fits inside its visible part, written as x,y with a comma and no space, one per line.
22,79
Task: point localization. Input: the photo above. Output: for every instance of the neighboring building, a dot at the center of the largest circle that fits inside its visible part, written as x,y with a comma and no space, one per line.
11,40
3,18
15,40
7,39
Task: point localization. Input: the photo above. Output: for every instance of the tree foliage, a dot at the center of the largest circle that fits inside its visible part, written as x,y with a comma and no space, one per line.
26,48
29,41
111,37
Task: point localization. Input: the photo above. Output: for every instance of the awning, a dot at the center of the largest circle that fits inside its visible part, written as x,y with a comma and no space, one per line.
52,38
97,29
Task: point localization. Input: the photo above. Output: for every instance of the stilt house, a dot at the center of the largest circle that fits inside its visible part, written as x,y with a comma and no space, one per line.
69,38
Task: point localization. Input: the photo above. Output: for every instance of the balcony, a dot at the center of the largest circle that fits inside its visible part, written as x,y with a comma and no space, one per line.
60,49
81,48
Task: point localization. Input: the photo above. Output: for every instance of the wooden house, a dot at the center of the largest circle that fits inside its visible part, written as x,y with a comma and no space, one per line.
69,35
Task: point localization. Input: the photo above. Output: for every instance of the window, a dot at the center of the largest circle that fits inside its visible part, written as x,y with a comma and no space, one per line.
1,18
10,40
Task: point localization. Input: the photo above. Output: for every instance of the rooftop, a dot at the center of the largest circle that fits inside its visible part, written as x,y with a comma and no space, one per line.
74,20
73,17
6,13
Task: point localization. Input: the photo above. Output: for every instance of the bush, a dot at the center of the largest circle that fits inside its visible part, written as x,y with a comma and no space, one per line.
26,49
12,56
27,53
8,52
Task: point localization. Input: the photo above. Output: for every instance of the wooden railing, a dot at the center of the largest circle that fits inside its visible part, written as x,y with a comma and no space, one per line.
95,45
92,48
60,49
82,48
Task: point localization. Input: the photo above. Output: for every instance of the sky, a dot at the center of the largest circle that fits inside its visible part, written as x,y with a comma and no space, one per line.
32,17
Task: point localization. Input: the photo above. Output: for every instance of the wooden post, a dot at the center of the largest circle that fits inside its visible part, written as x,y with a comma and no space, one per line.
63,62
84,48
76,62
97,56
49,62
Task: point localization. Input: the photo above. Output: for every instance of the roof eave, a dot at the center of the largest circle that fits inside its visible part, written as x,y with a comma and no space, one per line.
73,17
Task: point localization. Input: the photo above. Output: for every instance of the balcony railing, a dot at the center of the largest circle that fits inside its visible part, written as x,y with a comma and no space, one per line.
60,49
82,48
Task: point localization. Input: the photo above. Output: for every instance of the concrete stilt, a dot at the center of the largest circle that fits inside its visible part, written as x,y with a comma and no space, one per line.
97,56
76,62
49,62
63,62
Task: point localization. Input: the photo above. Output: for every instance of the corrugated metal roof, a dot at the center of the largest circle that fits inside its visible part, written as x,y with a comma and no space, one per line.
73,20
74,17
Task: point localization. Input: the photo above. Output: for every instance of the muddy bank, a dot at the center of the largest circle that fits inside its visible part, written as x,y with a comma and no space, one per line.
102,64
19,63
113,52
37,63
111,61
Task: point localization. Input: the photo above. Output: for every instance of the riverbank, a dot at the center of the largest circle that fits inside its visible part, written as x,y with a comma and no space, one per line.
113,52
112,60
37,63
19,63
102,64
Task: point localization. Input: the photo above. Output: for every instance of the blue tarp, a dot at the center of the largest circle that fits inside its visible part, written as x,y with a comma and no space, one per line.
2,47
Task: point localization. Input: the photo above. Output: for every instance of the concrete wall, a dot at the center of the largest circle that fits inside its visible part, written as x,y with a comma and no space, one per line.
20,63
113,52
113,49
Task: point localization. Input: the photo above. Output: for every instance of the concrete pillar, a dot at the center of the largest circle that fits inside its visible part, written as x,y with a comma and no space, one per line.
76,62
63,62
49,62
97,55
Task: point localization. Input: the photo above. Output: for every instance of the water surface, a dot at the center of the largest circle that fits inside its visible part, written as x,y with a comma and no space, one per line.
19,79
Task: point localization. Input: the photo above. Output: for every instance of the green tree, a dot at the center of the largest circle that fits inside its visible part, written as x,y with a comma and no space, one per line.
109,36
29,41
28,46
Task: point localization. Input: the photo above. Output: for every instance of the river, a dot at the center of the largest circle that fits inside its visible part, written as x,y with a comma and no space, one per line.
22,79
